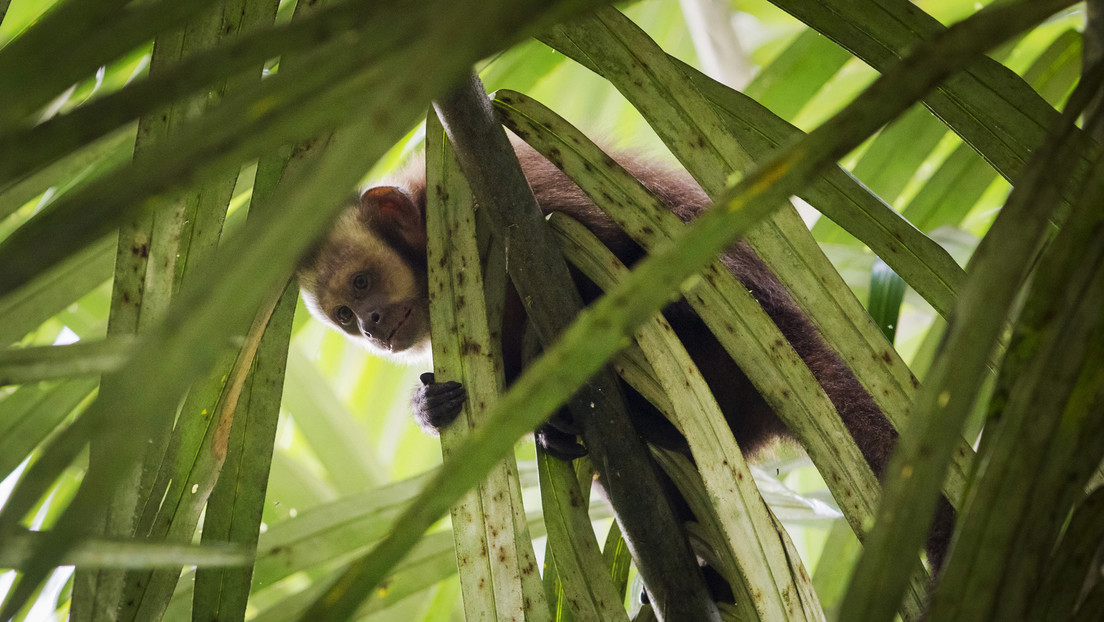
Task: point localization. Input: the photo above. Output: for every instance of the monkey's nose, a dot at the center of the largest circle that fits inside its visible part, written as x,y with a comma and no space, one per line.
369,322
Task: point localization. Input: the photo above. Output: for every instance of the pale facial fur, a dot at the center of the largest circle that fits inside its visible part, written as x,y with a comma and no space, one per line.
394,294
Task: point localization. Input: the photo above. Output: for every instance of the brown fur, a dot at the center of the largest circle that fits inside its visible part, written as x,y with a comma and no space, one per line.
753,422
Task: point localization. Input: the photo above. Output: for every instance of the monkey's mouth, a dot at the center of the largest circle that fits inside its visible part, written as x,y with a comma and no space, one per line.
398,327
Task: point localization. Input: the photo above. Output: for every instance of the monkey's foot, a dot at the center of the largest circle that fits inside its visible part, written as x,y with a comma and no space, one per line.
437,404
559,437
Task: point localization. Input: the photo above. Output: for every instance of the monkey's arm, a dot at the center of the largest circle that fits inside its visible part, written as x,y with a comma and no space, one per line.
437,404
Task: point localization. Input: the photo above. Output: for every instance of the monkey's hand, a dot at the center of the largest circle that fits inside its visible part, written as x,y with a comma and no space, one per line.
437,404
559,437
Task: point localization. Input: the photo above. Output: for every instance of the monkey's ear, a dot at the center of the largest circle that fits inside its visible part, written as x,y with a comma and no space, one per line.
388,208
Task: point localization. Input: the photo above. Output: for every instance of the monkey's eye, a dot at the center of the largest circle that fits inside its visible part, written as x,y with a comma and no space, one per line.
361,281
344,315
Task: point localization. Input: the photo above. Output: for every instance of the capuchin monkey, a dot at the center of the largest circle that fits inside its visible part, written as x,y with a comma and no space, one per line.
367,279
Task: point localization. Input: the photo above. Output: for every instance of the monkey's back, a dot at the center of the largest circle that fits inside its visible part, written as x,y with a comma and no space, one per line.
751,419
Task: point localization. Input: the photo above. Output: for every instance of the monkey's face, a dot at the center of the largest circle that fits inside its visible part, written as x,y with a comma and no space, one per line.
368,278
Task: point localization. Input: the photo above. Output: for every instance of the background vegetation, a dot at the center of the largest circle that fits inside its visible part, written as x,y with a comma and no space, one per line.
167,407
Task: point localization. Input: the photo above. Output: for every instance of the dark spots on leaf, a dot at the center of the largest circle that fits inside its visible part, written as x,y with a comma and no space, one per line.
555,157
303,147
470,347
886,357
